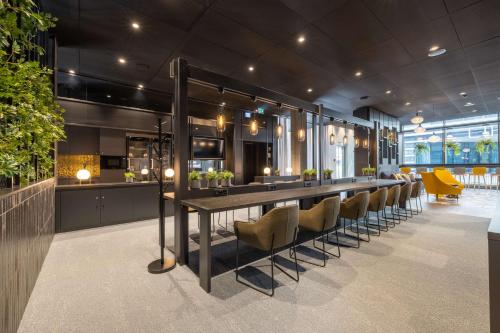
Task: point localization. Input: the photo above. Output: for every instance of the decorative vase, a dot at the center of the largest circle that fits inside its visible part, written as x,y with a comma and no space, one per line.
225,182
195,184
213,183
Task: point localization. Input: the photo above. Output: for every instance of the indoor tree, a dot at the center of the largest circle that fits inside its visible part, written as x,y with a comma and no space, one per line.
30,119
483,147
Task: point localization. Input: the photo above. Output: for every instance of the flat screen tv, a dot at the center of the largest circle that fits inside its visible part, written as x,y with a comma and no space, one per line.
203,148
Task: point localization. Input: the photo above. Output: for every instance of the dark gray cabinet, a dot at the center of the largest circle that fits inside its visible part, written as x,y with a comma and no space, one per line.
80,140
145,202
79,209
112,142
116,205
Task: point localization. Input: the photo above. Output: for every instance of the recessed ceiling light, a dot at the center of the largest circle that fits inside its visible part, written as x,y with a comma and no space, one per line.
435,51
301,39
122,60
434,48
223,104
407,103
309,90
251,68
474,111
72,71
135,25
387,92
108,96
358,73
463,94
469,104
140,86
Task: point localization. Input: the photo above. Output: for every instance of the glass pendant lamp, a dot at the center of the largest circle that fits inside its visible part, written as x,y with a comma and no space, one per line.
301,134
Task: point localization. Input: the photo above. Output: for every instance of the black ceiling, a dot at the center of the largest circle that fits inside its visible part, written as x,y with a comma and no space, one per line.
388,40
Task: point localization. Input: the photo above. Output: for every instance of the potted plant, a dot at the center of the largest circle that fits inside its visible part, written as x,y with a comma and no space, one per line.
212,179
453,148
129,177
483,146
194,178
327,173
420,150
277,172
368,171
225,178
309,174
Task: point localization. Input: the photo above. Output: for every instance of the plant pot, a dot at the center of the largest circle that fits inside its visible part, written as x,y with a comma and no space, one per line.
213,183
129,179
307,177
195,184
225,182
327,177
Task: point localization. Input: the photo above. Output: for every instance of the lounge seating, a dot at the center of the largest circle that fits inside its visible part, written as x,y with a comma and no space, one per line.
376,204
404,198
392,201
416,191
355,208
321,219
421,169
441,182
276,229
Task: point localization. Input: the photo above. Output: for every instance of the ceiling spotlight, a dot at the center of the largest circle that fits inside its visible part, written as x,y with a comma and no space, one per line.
474,111
135,25
301,39
71,71
463,94
435,51
122,60
309,90
418,119
140,86
407,103
358,73
434,48
108,96
387,92
251,68
469,104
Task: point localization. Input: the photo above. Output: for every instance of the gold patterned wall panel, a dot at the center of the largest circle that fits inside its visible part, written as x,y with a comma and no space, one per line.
68,165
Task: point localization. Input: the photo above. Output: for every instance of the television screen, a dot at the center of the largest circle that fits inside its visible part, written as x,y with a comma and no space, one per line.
207,148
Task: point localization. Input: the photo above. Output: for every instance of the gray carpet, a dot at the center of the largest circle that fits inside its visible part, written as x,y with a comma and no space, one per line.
426,275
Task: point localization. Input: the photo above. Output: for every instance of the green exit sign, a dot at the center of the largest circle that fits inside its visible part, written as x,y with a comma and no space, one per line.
260,110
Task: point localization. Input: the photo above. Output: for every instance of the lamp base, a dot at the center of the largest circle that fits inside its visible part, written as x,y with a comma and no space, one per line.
156,267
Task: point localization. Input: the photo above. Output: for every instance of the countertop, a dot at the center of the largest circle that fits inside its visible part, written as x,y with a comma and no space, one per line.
105,185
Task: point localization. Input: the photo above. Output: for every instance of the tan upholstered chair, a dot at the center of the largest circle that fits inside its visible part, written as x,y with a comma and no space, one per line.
376,204
392,201
321,219
355,208
404,199
416,191
276,229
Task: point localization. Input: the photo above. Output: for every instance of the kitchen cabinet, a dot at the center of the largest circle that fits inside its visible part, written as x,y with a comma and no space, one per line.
79,209
116,205
112,142
80,140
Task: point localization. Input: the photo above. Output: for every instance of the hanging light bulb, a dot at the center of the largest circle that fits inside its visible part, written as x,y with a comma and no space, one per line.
419,129
279,127
346,139
418,119
356,142
332,135
301,134
254,126
221,122
434,138
365,141
169,173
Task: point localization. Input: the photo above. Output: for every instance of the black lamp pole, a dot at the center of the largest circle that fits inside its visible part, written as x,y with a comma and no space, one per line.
161,265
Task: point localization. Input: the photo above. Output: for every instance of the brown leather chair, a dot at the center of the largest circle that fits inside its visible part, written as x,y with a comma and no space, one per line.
355,208
276,229
321,219
404,198
416,191
376,203
392,201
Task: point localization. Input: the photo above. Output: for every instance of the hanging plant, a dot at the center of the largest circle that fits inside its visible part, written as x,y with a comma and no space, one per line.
30,119
484,144
421,148
454,147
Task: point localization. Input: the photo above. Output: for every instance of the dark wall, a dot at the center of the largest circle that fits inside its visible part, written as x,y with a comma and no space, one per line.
27,227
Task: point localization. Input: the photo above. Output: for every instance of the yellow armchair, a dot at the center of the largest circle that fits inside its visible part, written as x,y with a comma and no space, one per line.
446,177
439,183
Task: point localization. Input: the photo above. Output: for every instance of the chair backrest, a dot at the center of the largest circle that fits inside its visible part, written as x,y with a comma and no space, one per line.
429,184
405,193
416,189
331,208
459,171
282,222
358,205
393,195
378,199
479,171
446,177
421,169
438,168
405,170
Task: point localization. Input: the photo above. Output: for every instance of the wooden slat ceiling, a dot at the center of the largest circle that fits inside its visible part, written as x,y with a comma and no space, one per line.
388,40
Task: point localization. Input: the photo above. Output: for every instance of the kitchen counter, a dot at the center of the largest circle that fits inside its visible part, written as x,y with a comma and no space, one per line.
106,185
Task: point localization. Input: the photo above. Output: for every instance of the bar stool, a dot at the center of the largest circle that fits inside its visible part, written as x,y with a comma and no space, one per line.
355,208
392,201
460,172
404,198
376,203
477,173
421,169
321,219
276,229
496,175
416,191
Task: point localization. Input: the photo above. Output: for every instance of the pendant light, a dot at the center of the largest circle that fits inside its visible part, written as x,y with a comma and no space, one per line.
332,135
365,141
419,129
301,134
220,121
418,119
279,128
346,139
434,138
254,126
356,138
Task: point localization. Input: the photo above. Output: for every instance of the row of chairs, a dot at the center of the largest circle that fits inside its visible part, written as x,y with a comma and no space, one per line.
279,228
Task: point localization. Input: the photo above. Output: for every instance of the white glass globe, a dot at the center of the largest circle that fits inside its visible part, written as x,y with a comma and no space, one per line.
267,170
289,170
83,174
169,173
144,171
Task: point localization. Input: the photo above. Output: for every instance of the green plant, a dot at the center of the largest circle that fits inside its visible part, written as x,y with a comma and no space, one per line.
277,172
129,174
327,172
30,120
194,175
368,171
226,174
211,175
453,146
421,148
483,144
310,172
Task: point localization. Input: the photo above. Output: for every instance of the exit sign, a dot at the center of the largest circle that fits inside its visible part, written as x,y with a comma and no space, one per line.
260,110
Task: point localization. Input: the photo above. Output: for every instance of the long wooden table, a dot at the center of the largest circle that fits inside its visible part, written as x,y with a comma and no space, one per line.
207,206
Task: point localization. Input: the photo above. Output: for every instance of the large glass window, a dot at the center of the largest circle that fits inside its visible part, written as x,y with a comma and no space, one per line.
420,148
337,156
476,144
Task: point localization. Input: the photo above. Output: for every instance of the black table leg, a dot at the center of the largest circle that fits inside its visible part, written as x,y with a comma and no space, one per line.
181,234
205,271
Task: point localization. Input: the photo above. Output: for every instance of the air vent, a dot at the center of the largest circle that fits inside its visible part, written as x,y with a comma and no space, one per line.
364,97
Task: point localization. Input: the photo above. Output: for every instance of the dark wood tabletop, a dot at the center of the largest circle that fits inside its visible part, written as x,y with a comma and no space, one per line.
237,201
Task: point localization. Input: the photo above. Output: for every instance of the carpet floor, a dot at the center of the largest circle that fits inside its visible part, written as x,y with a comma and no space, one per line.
428,274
